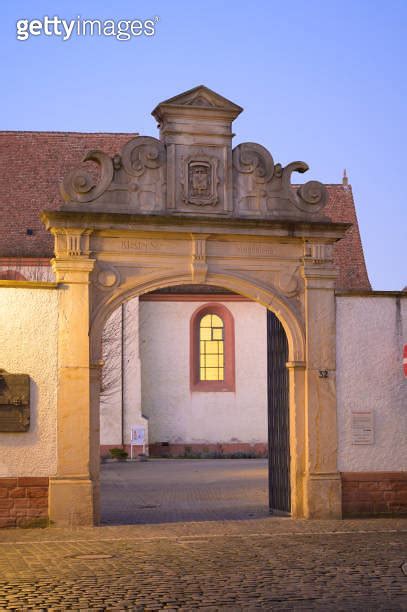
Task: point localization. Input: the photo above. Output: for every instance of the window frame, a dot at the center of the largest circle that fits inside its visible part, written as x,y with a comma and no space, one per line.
228,384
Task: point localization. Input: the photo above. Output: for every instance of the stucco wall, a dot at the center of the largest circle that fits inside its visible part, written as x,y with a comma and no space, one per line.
370,335
115,386
28,344
111,391
175,414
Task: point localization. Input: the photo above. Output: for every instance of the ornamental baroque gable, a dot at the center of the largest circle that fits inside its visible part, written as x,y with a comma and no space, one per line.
192,170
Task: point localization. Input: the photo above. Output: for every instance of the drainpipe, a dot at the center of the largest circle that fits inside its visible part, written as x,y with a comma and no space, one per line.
122,376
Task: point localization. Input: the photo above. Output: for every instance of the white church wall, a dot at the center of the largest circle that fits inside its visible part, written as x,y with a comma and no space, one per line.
28,345
111,390
133,416
371,331
118,350
177,415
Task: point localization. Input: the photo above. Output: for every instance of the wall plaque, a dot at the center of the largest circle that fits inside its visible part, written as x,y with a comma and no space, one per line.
362,428
14,402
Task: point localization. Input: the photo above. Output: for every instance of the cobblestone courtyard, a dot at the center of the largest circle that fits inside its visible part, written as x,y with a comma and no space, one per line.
170,490
271,564
179,563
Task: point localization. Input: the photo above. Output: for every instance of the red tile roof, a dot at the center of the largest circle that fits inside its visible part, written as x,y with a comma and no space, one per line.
32,164
348,252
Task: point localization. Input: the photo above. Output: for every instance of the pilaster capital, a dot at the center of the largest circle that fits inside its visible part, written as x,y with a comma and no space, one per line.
73,269
97,365
324,476
319,276
318,270
296,365
95,370
71,241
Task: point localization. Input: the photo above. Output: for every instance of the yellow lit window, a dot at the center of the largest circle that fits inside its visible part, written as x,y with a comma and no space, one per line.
211,348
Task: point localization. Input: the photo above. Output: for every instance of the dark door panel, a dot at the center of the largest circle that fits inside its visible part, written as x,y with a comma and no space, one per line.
278,416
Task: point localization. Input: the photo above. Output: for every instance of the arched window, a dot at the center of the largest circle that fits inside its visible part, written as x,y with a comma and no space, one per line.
212,349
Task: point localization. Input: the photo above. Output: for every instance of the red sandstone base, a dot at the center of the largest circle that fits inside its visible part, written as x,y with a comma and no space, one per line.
23,502
374,494
168,450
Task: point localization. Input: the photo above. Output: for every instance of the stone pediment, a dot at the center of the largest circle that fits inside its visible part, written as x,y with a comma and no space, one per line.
198,97
192,170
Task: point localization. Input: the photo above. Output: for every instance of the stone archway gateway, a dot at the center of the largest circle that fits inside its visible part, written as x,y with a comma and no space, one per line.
182,209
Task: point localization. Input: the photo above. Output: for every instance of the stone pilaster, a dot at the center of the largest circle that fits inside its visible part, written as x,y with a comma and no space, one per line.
95,373
322,481
71,491
296,377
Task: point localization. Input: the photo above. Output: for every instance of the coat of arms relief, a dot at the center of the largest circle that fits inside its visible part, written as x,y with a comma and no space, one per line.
199,178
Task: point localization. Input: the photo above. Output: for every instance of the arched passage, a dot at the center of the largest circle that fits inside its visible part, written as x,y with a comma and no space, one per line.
295,347
289,318
189,208
98,268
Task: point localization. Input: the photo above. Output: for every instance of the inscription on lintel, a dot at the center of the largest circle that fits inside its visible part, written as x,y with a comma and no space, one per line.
258,250
140,245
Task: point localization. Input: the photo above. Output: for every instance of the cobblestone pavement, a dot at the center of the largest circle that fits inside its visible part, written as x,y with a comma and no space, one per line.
168,490
270,564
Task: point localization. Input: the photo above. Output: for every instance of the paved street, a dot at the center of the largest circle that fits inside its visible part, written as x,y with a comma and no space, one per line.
235,557
270,564
168,490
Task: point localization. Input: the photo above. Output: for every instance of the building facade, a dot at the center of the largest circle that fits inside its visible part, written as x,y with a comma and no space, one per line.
176,249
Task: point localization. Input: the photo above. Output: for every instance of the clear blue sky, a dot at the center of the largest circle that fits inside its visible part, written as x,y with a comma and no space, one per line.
320,81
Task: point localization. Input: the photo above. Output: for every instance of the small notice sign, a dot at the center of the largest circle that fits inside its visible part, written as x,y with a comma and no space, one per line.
362,428
138,435
137,438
